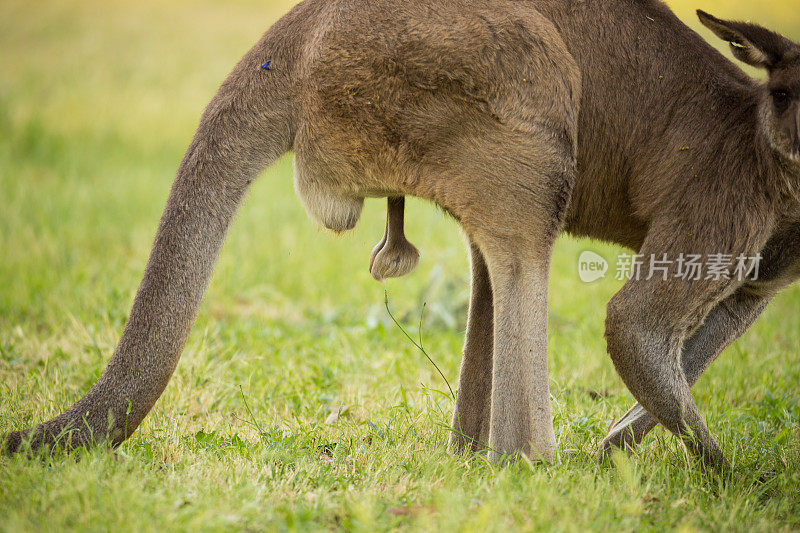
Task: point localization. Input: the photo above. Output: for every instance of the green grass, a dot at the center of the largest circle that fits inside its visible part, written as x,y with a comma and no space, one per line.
97,103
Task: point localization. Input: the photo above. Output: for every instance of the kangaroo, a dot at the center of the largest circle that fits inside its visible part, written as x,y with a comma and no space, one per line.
522,120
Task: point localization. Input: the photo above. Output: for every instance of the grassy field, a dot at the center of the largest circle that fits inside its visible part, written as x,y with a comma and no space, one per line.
98,100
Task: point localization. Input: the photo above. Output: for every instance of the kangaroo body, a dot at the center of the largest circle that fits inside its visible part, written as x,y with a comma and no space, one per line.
609,119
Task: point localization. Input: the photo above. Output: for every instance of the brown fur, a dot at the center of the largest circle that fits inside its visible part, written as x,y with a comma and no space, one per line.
604,118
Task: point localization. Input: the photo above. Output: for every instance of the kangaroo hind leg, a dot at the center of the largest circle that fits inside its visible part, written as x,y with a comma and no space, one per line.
473,404
512,210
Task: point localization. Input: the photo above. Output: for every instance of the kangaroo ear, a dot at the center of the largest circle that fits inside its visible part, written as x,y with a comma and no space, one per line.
750,43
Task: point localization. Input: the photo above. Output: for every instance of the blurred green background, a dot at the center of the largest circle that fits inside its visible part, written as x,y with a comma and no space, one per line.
98,101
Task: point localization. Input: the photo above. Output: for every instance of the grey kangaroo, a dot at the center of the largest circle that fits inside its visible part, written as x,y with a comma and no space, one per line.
601,118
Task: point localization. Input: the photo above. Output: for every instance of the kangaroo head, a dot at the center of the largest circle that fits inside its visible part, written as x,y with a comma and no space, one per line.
763,48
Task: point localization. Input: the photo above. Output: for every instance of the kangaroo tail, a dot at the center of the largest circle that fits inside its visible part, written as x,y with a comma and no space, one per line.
248,125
